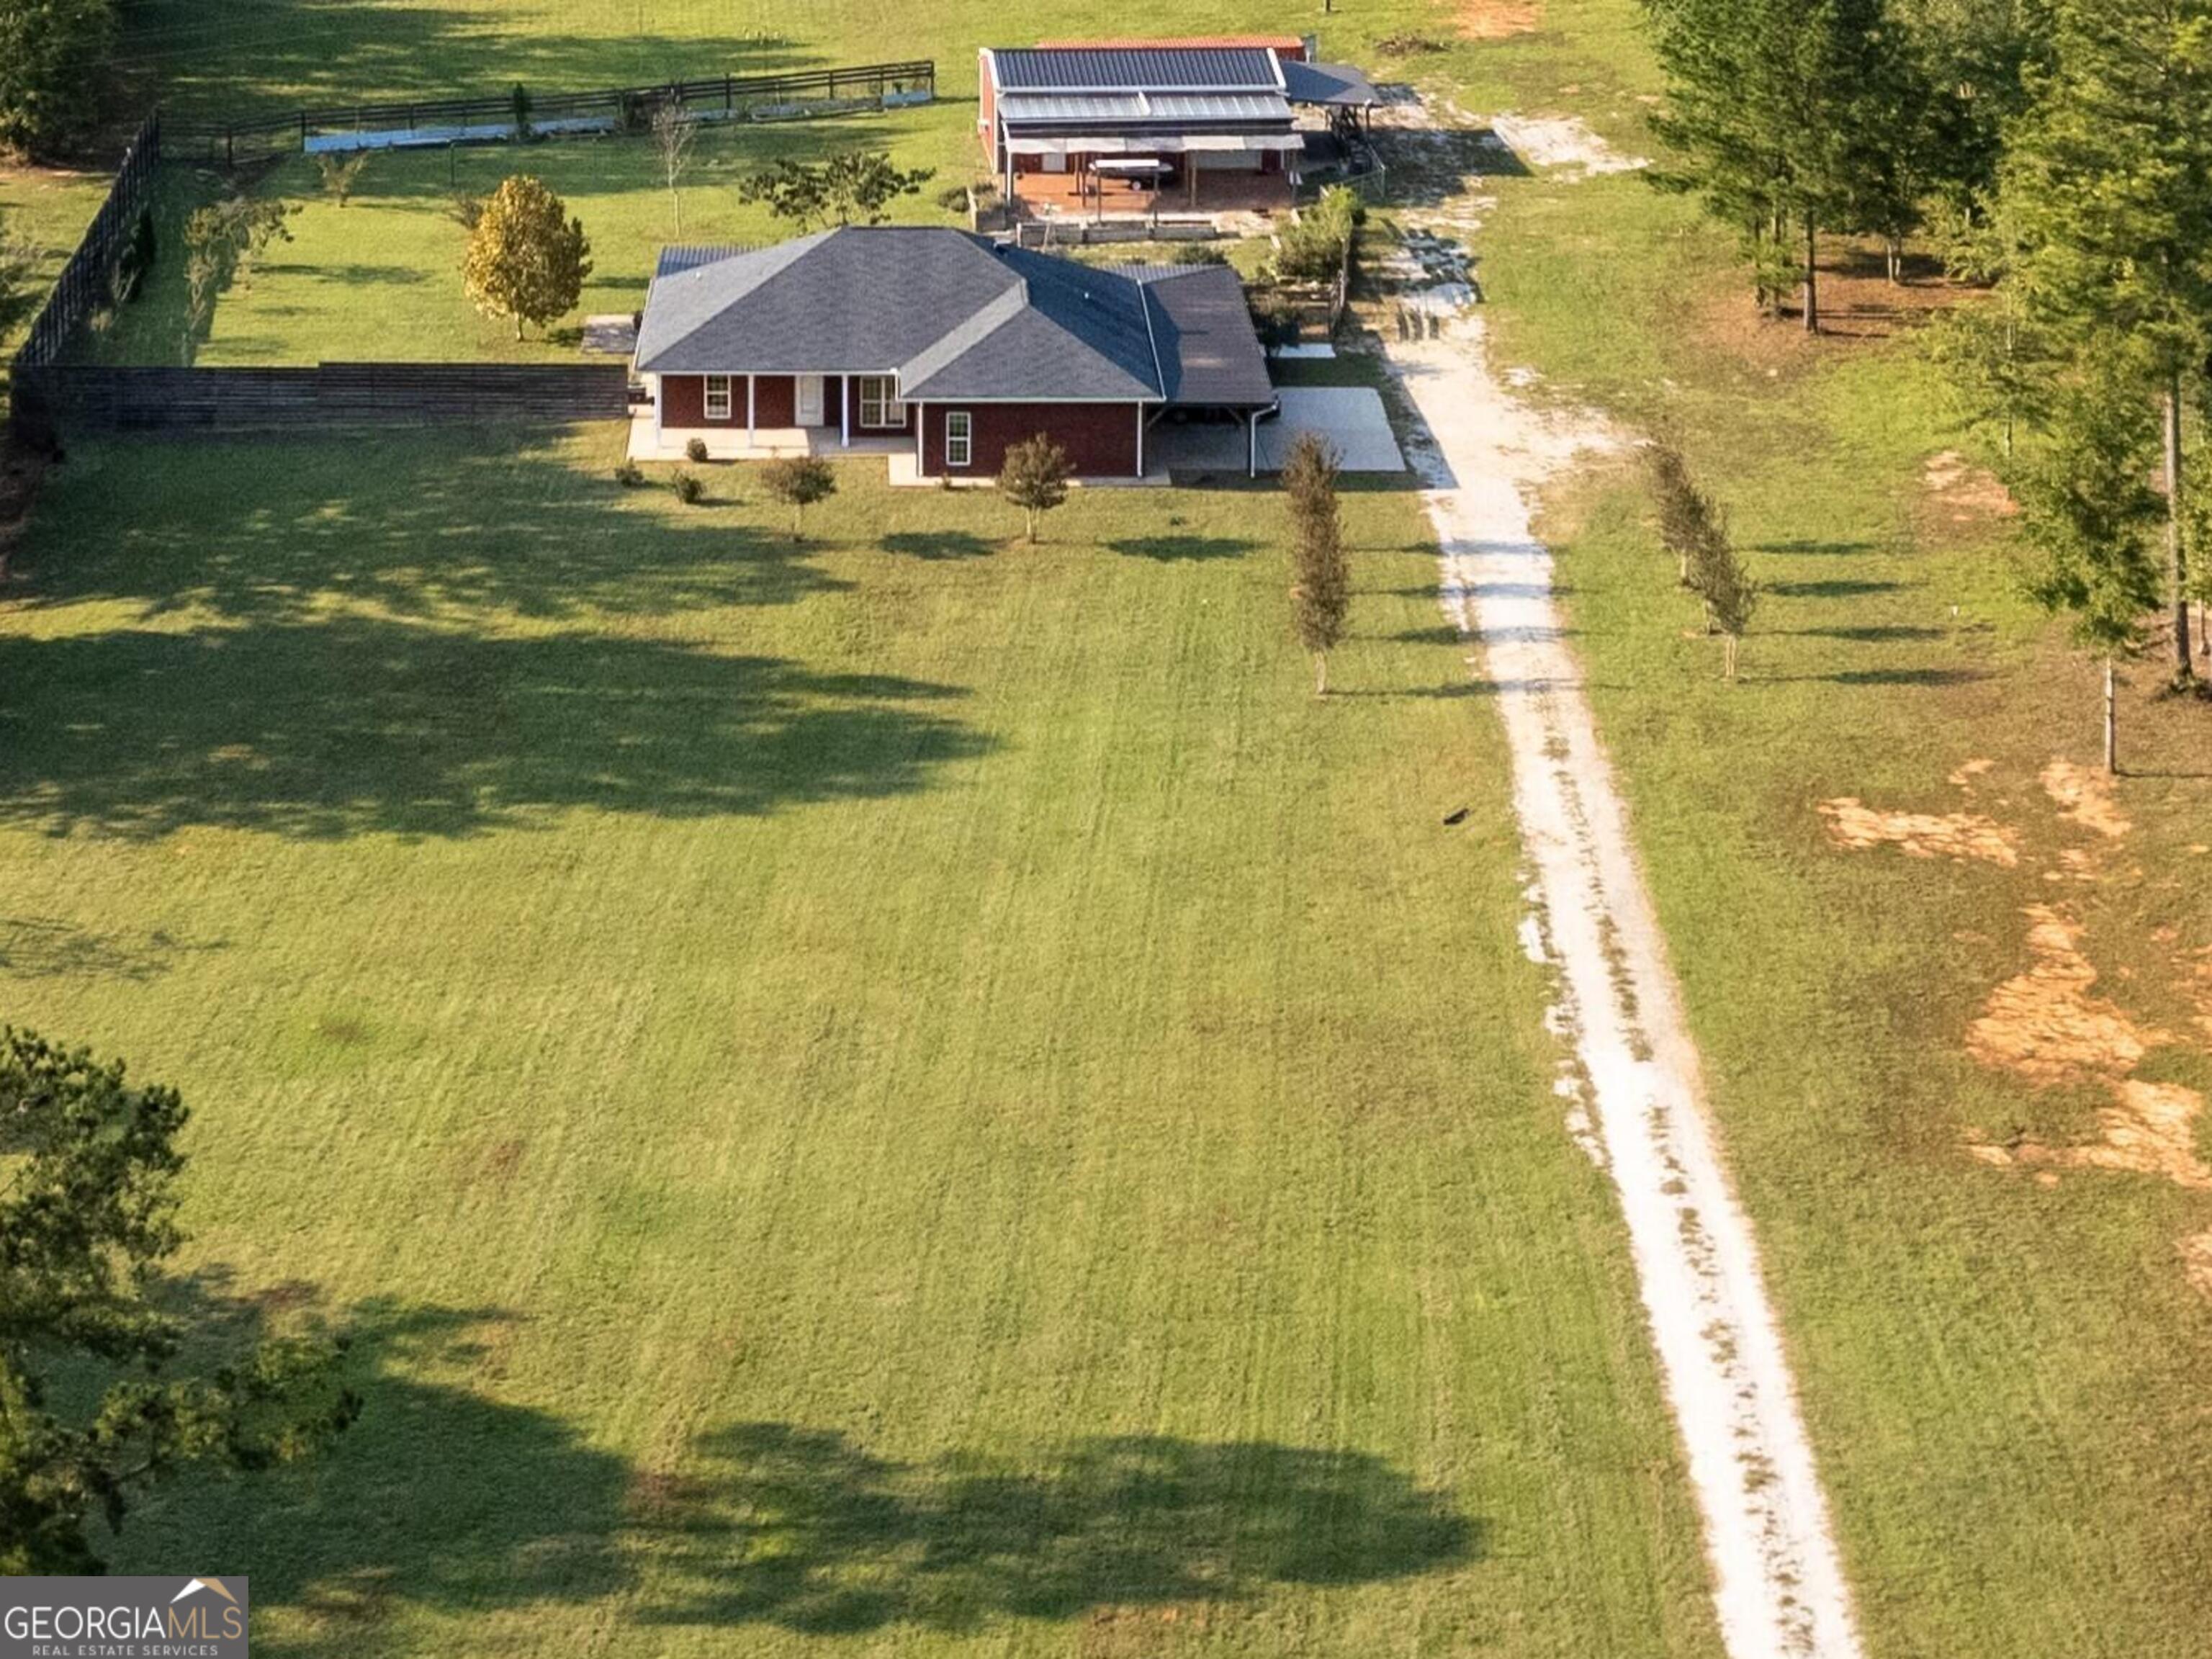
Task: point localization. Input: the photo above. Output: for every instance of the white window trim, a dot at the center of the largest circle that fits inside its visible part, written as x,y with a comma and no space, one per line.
960,445
708,404
890,413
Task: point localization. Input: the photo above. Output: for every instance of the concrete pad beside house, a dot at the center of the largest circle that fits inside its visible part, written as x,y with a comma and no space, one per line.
1350,418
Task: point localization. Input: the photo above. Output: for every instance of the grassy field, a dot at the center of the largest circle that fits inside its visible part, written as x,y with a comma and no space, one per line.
900,1092
908,1095
2003,1374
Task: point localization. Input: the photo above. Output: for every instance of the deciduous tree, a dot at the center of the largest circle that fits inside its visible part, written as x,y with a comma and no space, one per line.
852,188
526,259
339,174
52,52
89,1415
1034,477
674,133
798,482
1321,594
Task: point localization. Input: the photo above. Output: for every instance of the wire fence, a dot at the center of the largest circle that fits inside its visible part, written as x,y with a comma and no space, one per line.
731,96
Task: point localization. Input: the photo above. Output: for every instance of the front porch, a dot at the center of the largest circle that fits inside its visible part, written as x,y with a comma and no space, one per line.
650,441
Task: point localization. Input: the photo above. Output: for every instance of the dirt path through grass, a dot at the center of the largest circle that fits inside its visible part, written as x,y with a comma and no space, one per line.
1779,1586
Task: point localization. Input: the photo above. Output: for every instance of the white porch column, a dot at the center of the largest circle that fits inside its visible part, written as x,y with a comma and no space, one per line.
657,384
920,441
1252,445
1141,441
749,410
844,411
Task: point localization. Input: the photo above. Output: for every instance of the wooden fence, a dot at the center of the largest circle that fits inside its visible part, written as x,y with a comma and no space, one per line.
214,401
87,281
732,93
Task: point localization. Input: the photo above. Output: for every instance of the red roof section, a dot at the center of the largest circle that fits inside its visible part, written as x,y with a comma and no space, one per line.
1289,45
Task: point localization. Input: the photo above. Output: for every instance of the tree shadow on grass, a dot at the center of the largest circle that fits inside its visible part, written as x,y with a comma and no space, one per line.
42,947
357,725
938,544
1169,550
443,1498
279,531
802,1529
438,1496
1834,588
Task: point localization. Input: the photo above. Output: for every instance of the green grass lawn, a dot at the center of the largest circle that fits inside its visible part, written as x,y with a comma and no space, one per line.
2003,1379
50,209
905,1092
380,278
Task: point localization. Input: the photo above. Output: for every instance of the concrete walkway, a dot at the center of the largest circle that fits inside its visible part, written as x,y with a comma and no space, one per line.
1779,1589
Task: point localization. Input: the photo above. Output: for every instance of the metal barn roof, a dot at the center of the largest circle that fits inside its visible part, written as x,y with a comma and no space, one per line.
1106,69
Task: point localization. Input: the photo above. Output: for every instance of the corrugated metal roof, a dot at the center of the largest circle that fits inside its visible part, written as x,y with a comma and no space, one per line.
1176,109
1073,68
1328,83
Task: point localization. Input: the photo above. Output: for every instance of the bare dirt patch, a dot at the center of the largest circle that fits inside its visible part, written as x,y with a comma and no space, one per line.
2149,1129
2085,796
1497,20
1967,493
1959,837
2044,1026
1561,141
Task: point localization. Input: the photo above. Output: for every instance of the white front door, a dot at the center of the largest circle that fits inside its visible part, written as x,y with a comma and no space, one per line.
809,400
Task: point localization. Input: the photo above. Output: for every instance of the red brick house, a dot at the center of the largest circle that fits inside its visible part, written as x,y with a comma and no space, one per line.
939,349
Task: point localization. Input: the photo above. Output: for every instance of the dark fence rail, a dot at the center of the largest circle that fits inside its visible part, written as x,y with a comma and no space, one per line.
87,281
88,398
732,93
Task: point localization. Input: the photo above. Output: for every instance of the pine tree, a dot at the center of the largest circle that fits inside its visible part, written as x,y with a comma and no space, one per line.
1786,116
2109,183
2086,504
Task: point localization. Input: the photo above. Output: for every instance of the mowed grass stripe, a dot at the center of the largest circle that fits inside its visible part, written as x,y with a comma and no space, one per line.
856,1100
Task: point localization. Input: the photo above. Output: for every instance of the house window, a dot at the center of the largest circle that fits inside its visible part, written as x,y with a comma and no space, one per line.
718,397
959,437
879,403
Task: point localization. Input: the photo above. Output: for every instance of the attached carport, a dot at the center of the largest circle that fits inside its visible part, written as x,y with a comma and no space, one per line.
1216,371
1350,419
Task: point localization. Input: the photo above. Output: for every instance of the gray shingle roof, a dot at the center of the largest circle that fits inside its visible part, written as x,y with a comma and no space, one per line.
1208,349
953,314
1067,68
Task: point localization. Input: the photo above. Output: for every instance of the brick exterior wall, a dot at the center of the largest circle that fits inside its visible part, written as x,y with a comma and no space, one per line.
1100,439
775,400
